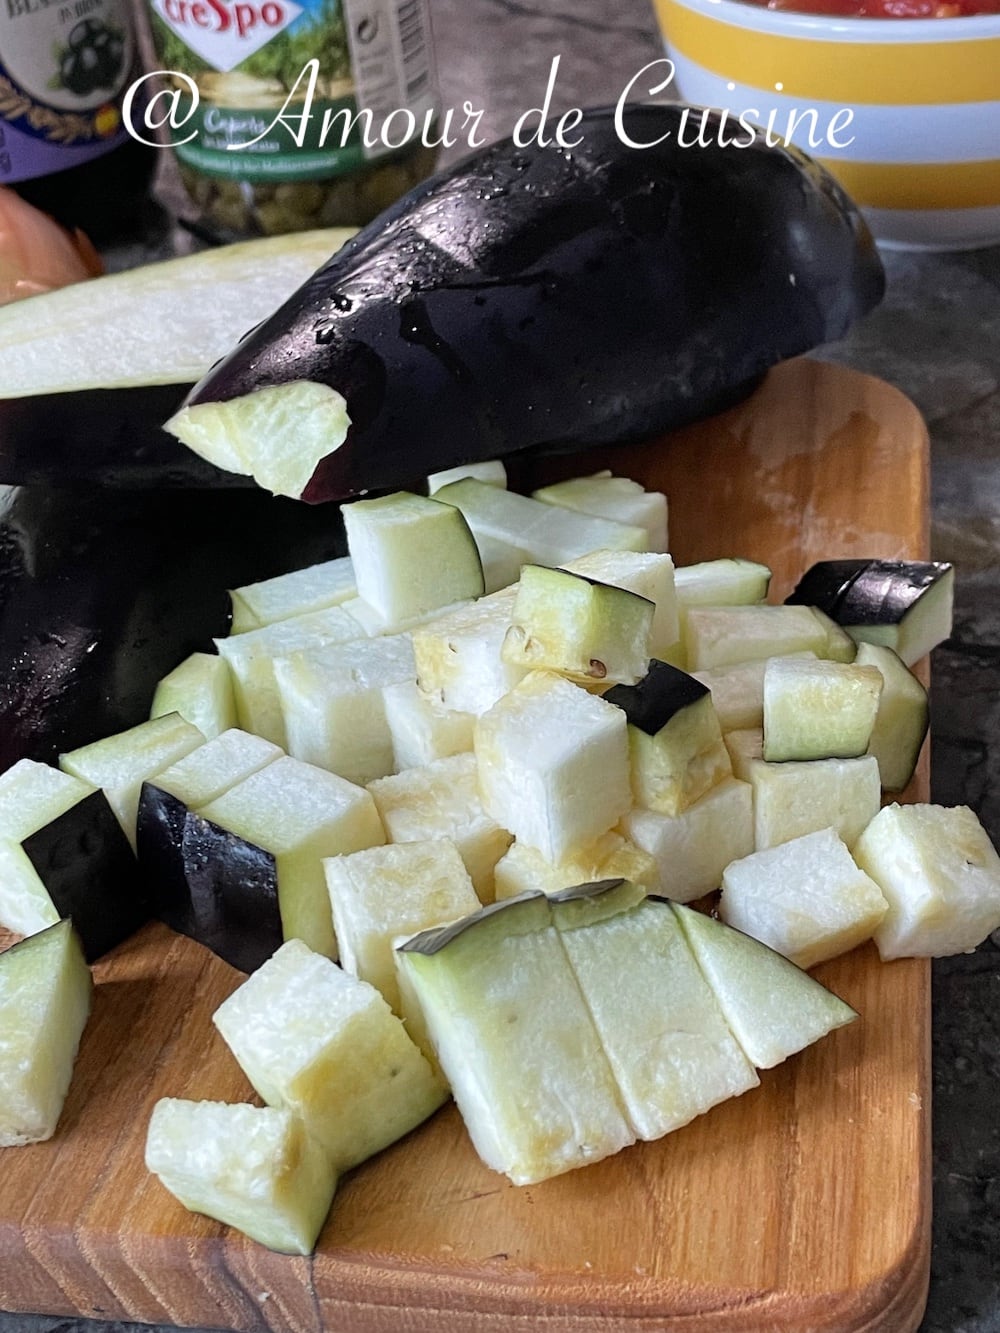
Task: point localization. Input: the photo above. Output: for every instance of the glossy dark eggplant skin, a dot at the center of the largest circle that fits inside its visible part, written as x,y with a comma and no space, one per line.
552,299
86,865
662,693
103,592
231,902
159,841
104,437
867,592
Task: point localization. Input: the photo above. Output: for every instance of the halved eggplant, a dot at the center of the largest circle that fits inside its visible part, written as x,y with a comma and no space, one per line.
102,593
89,373
532,298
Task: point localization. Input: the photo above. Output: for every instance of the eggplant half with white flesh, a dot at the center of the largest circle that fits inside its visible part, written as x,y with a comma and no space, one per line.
89,373
905,605
102,593
531,298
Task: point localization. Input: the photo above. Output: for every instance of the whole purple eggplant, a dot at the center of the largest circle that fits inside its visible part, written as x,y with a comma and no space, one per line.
103,592
539,298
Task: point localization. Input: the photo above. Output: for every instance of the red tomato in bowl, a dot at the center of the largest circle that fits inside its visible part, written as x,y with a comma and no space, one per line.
887,9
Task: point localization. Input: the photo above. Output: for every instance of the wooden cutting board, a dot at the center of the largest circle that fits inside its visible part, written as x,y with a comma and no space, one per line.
804,1205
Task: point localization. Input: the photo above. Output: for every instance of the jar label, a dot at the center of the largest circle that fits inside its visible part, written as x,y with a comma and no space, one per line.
63,68
293,90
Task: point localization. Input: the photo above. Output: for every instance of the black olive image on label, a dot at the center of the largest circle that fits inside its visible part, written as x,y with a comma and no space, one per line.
92,59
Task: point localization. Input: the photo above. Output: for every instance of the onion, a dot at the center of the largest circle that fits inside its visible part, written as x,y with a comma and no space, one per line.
37,254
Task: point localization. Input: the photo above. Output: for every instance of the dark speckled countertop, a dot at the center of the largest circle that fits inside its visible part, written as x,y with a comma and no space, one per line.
937,337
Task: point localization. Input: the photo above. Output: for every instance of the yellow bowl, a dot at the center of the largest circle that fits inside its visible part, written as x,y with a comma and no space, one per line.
905,112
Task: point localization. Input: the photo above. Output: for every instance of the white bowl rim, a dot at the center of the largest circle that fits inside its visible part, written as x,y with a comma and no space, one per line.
745,14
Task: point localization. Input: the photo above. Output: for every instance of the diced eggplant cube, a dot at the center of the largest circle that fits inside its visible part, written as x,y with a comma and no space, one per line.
45,991
593,633
254,859
553,764
738,692
120,764
676,751
63,854
411,554
333,705
772,1007
383,893
744,747
727,582
648,574
692,849
664,1035
902,719
553,536
443,800
423,730
254,1168
806,898
295,594
200,777
525,870
326,1046
795,798
818,710
718,636
905,605
201,691
458,656
374,625
251,657
940,874
502,562
616,498
840,647
492,473
515,1038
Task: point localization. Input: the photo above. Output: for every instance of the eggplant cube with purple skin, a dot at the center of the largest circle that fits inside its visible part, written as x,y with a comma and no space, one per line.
256,854
316,1041
165,804
553,764
676,749
649,574
411,554
63,854
592,633
120,764
905,605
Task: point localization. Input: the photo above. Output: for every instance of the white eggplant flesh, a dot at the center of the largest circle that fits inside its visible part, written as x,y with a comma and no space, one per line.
806,898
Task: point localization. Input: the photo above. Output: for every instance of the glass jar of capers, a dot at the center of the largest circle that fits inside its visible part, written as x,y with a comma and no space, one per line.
291,115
